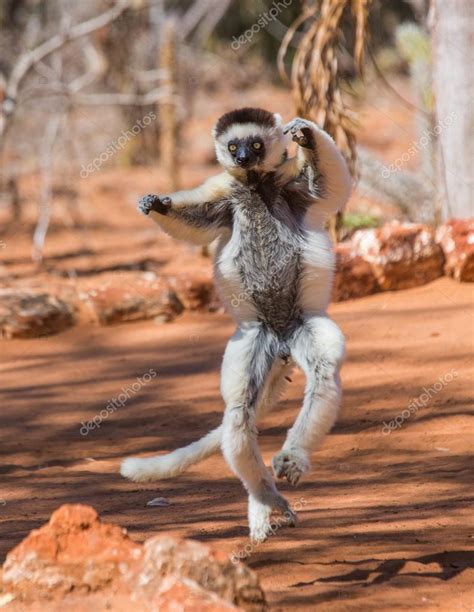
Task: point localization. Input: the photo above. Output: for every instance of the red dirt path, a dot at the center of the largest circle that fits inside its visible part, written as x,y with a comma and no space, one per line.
386,522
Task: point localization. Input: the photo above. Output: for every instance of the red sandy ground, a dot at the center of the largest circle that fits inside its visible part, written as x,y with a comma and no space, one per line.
386,519
385,522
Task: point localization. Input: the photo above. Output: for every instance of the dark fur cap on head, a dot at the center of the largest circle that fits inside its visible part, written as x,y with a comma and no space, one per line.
247,123
244,115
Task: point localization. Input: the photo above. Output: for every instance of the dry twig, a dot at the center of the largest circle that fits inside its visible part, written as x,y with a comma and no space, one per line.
44,215
29,59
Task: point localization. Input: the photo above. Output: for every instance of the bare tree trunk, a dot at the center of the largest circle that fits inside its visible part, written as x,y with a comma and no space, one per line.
44,209
453,29
169,121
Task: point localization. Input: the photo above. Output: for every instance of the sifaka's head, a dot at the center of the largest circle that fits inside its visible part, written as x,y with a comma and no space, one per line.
250,139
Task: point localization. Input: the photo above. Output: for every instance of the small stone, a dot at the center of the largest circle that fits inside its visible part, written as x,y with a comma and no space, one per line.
160,502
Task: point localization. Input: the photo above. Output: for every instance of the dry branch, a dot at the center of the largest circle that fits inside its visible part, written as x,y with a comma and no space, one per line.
29,59
124,99
47,147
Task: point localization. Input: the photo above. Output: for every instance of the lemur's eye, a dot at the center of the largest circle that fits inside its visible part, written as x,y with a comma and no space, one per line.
232,148
257,145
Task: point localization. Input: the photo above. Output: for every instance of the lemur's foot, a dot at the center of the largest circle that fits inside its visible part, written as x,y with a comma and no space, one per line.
154,203
301,132
291,464
269,503
259,516
262,524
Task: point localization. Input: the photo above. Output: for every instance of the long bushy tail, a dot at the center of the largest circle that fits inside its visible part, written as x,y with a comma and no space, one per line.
172,464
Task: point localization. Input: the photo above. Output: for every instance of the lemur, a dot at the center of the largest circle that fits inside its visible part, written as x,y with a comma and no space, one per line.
273,268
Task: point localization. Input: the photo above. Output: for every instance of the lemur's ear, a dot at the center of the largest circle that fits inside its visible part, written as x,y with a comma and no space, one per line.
278,119
285,138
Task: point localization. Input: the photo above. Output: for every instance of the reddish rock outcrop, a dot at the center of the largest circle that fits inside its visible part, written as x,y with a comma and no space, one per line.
354,276
117,298
211,569
187,596
401,255
24,314
75,551
456,238
77,562
196,290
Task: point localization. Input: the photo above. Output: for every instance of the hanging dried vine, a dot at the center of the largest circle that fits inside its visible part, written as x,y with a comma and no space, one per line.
314,76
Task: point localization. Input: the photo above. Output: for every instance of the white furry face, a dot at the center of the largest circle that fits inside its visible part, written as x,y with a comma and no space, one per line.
251,146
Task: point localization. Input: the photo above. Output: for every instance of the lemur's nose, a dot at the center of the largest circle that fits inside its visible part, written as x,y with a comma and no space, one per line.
242,157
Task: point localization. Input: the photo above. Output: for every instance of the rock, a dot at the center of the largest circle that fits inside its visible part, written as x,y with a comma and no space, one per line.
25,314
74,552
78,563
187,596
354,276
211,569
196,291
401,255
120,297
456,238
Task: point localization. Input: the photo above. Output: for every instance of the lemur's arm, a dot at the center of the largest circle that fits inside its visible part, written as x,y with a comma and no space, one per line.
320,161
199,215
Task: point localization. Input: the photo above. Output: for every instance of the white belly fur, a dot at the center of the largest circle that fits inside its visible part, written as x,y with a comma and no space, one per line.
317,274
315,281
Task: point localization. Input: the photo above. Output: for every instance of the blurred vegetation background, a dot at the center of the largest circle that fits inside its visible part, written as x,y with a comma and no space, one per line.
68,69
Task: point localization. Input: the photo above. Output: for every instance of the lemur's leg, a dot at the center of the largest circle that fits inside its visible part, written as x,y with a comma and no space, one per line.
318,347
247,364
320,160
274,387
197,215
174,463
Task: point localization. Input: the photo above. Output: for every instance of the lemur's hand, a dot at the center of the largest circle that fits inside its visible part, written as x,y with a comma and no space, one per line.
301,132
152,202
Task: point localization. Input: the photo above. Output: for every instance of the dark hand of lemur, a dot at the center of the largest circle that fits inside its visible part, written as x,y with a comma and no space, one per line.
153,203
300,132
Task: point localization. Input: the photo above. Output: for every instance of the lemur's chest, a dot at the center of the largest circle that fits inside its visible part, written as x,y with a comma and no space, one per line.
265,228
268,245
